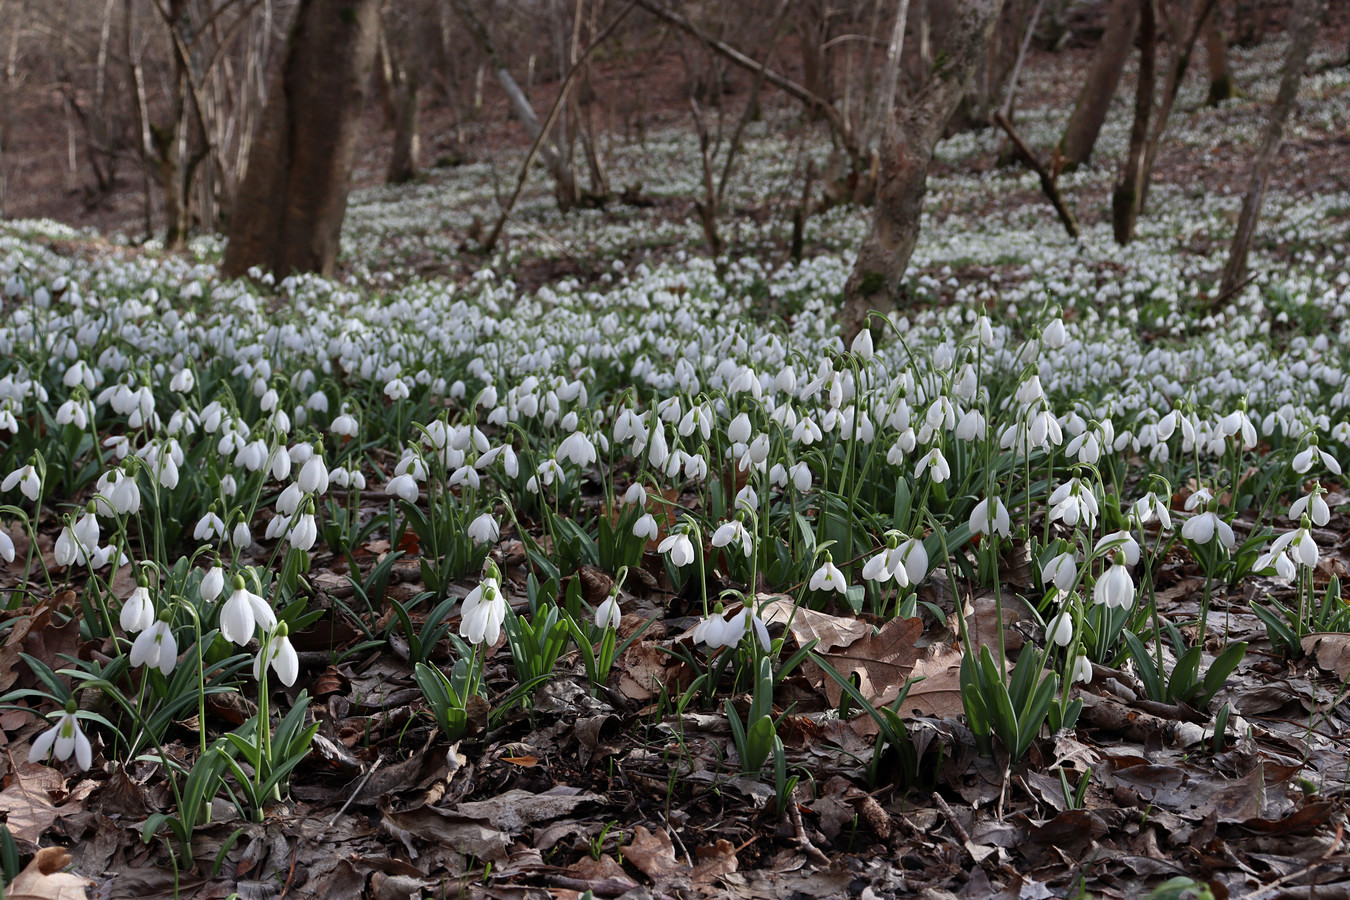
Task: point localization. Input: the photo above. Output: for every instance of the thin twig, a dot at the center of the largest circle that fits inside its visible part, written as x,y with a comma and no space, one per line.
359,787
1049,184
951,818
799,830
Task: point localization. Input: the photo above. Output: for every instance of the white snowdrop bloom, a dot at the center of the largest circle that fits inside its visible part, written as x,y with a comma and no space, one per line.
1059,630
73,412
1312,505
806,431
1198,499
936,464
1119,542
1311,454
183,381
314,476
208,527
213,582
1061,571
397,389
281,657
1072,501
1203,527
345,425
1115,587
914,558
800,473
27,480
987,520
646,527
277,528
86,531
1030,391
403,486
304,532
711,631
608,614
484,529
1151,506
1299,545
577,448
1053,335
288,501
63,739
828,578
1082,670
464,475
636,493
971,427
739,431
155,647
679,548
1279,561
243,612
734,531
6,547
878,567
241,537
483,613
138,612
279,465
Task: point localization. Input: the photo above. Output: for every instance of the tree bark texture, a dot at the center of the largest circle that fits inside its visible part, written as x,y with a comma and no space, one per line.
1094,101
911,136
288,215
1308,15
1125,199
1221,84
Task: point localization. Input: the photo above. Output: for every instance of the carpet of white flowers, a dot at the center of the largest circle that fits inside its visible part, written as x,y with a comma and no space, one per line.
211,486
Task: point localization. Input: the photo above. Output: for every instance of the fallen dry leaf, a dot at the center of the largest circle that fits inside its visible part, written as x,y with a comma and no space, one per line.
882,662
808,625
1331,650
465,834
42,879
27,802
512,811
654,854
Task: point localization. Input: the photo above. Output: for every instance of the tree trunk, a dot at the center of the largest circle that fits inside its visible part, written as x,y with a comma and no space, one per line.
403,163
288,215
1303,31
1094,101
1221,85
565,183
1125,200
878,274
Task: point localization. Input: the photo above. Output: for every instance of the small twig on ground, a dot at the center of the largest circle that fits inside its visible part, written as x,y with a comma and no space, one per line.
1317,863
951,818
675,833
799,830
359,785
1225,295
1049,184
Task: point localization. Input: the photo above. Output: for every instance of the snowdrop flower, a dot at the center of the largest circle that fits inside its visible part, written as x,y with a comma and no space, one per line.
646,527
1060,628
679,548
878,567
1201,496
403,486
1061,571
800,473
710,631
1053,335
935,461
577,448
67,550
314,476
1122,542
980,520
209,526
6,547
1278,560
241,537
155,647
1151,506
1115,588
1074,500
63,739
636,493
914,558
305,531
85,530
1300,544
1311,454
1203,527
1082,670
213,582
734,532
739,431
1313,506
26,477
828,577
484,611
484,529
345,425
183,381
243,612
608,614
281,656
138,612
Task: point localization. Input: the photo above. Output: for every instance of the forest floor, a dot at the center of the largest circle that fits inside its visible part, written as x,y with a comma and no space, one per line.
616,793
